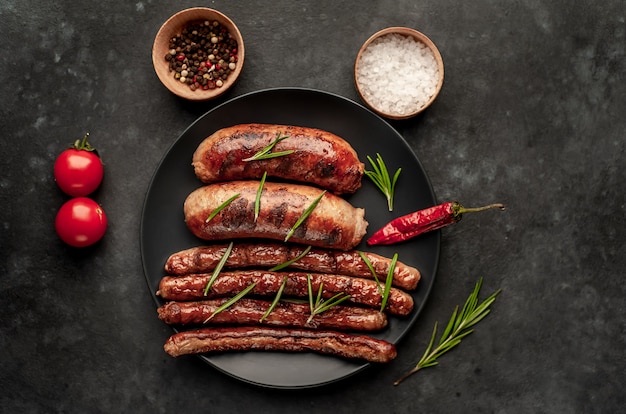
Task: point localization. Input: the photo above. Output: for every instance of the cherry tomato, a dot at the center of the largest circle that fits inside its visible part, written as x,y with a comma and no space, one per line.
80,222
78,170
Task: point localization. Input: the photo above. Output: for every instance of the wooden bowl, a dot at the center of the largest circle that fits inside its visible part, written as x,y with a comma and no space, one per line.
174,26
387,94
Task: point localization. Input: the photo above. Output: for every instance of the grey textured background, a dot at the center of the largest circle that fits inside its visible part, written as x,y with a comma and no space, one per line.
532,114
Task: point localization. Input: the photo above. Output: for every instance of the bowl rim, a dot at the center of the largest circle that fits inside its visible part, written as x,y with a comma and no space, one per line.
419,36
174,25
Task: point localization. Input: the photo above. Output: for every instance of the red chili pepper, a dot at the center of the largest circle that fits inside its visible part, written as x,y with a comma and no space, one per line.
422,221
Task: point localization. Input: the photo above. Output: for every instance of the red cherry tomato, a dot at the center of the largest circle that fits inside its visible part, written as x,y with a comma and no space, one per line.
78,170
80,222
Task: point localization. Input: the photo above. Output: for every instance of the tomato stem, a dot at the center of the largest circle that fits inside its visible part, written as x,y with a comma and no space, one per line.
83,144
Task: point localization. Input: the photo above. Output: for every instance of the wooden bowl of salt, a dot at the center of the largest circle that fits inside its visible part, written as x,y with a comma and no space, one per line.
398,72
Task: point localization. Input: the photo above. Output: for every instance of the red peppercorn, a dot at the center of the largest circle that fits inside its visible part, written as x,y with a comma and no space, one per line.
180,57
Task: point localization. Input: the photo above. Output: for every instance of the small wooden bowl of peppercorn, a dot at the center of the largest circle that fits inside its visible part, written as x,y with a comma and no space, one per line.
398,72
198,53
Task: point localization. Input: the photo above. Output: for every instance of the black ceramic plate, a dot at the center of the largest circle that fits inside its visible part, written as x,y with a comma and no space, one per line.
163,230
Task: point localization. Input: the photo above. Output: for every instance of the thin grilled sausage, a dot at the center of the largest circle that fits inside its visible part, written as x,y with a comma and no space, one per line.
287,314
252,338
203,259
362,291
319,157
333,223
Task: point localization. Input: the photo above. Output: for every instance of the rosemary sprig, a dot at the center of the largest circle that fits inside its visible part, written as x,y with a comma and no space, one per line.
218,268
221,207
380,178
290,262
384,293
231,301
257,201
320,305
457,329
304,215
266,153
275,301
392,267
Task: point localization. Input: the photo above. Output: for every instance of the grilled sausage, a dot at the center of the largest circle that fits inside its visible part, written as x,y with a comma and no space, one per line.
249,338
333,223
320,158
361,291
203,259
287,314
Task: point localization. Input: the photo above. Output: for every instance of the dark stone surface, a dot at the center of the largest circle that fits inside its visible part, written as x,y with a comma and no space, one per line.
531,114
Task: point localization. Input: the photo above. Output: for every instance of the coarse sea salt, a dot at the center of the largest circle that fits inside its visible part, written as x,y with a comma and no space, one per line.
397,74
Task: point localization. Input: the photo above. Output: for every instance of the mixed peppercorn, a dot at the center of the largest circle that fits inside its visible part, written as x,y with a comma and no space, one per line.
203,55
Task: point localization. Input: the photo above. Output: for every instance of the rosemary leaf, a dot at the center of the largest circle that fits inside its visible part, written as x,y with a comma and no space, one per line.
320,304
221,207
380,177
324,305
275,301
231,301
372,271
272,155
431,343
451,323
431,364
290,262
457,328
392,267
310,289
318,300
393,186
384,293
304,215
218,268
257,201
266,153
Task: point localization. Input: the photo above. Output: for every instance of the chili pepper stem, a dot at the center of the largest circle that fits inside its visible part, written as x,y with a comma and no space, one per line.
459,209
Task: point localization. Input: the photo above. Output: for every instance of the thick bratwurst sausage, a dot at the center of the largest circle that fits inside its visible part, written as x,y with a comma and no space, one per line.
319,157
203,259
288,314
362,291
333,223
250,338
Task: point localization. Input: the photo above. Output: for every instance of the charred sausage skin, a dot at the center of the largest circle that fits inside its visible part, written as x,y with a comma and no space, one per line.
287,314
319,158
251,338
203,259
334,223
362,291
